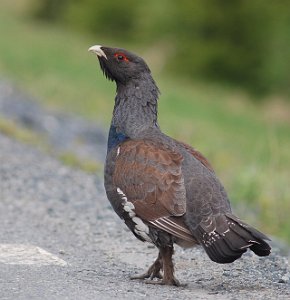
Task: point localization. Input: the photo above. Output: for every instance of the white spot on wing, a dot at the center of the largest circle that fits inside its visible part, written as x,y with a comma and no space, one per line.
127,205
118,151
140,225
141,228
120,192
144,236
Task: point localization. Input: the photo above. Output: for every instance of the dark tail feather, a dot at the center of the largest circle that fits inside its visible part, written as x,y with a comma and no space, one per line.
261,248
228,245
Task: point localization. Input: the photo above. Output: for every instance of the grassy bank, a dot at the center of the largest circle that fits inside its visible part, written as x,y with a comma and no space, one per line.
247,144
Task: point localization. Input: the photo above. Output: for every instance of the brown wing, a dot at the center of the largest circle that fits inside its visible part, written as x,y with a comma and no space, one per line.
197,155
151,178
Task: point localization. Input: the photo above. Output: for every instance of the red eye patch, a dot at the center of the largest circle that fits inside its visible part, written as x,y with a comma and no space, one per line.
121,56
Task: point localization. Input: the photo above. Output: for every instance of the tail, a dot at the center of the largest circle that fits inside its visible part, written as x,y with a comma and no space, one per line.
231,238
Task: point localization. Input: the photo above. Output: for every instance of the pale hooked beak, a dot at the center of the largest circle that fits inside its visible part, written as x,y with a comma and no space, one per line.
97,50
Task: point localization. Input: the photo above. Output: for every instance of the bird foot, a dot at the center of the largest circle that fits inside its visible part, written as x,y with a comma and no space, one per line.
171,281
147,275
153,271
159,265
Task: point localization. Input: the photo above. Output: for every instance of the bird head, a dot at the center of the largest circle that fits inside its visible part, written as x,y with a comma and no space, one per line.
120,65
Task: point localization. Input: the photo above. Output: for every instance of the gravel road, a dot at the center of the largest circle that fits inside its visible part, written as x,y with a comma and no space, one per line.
64,133
59,239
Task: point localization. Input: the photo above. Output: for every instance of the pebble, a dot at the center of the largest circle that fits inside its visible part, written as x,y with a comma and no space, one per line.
285,278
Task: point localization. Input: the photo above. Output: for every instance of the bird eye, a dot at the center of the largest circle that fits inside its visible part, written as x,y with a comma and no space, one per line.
121,57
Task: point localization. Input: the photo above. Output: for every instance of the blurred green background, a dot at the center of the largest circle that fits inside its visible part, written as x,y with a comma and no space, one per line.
241,42
222,67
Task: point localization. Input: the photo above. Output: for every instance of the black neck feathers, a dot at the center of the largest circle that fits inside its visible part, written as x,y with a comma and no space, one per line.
135,108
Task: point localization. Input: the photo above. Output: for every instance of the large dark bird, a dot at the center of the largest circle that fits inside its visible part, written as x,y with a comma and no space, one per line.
166,191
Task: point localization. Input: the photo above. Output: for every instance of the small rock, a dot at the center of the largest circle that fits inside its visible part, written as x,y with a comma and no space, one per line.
213,293
285,278
226,273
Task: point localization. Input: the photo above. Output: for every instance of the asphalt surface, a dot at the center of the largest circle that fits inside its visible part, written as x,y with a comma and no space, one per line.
60,239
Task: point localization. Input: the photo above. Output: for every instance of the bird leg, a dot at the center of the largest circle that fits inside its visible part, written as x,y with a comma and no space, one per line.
153,271
163,261
168,268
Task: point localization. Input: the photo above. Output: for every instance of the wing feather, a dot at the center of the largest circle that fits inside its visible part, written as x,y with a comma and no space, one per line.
150,176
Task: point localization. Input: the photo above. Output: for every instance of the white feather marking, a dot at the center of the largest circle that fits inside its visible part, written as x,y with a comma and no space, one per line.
246,246
127,205
170,222
212,232
118,151
255,242
127,208
172,228
141,228
130,212
157,222
144,235
121,193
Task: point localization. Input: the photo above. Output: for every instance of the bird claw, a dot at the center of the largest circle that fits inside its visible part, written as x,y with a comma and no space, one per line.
156,275
172,281
153,271
147,275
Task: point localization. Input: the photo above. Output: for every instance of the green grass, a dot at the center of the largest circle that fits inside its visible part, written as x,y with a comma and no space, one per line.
10,128
87,165
247,144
